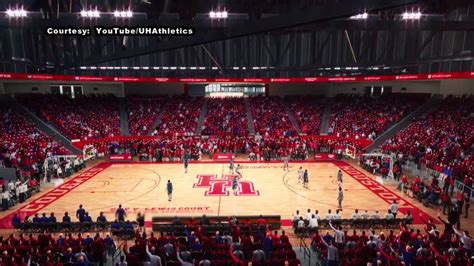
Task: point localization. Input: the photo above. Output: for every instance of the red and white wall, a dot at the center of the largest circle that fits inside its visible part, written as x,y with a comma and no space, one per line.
442,83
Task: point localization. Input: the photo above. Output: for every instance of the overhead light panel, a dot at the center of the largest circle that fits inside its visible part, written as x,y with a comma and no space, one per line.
218,14
360,16
91,13
123,13
411,15
17,13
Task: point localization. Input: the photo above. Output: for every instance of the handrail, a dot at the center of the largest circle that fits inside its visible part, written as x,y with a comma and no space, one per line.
458,185
306,250
429,172
117,251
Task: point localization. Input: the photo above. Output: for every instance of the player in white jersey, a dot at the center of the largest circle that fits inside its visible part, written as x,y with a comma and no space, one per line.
300,174
286,166
237,170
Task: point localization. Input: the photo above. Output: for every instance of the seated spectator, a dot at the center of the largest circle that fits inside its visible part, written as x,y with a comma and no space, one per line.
85,117
329,216
270,117
356,215
142,114
436,141
364,215
66,218
180,117
225,116
349,120
376,215
313,222
307,111
101,218
389,216
23,145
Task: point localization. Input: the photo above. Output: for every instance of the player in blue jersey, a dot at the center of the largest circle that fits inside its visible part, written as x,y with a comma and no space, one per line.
169,189
235,184
186,163
305,178
231,166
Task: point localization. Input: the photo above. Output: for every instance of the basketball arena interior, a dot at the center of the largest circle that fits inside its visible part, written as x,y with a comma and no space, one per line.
246,132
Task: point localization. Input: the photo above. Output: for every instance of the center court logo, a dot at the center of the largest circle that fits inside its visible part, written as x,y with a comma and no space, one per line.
220,186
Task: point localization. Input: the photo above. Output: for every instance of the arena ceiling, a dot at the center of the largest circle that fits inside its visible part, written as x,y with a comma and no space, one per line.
260,38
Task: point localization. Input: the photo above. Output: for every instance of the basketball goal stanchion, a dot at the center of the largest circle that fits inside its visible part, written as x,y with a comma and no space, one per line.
383,156
350,151
89,151
56,160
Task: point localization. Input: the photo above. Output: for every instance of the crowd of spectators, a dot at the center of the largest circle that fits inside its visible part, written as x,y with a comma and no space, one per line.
23,146
28,182
258,148
364,117
270,117
442,140
308,112
18,191
84,117
239,245
81,222
142,114
226,116
48,249
180,117
431,246
310,222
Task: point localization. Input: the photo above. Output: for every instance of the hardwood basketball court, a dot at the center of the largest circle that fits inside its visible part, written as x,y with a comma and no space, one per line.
265,188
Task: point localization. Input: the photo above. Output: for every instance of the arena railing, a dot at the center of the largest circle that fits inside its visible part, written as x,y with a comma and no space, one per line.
458,185
81,143
353,224
121,231
427,172
306,250
118,252
215,223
